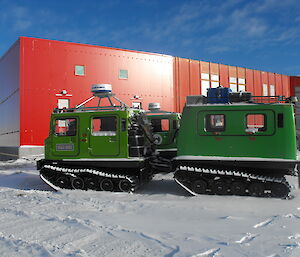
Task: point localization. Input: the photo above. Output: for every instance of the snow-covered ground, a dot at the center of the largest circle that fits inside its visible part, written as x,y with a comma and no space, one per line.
159,220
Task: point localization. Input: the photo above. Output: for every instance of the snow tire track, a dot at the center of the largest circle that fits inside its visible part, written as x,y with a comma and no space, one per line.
21,246
154,222
291,216
173,250
14,212
208,253
265,222
296,236
247,238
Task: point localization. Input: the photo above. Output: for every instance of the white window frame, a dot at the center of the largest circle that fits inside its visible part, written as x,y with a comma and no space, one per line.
233,87
63,103
242,88
272,90
232,80
214,77
122,72
265,90
242,81
215,84
136,105
205,76
204,87
79,70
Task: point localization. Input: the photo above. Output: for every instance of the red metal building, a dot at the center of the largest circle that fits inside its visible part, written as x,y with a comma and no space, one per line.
193,77
38,75
295,91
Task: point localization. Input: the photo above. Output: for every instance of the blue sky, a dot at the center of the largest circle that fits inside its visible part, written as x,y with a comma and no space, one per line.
258,34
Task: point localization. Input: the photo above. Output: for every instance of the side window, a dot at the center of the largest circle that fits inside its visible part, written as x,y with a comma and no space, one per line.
255,123
104,126
65,127
160,125
215,122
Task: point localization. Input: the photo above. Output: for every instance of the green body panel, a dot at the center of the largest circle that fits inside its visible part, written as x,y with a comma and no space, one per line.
274,142
168,138
86,145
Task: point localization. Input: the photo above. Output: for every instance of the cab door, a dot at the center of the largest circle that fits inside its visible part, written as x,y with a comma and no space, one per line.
65,140
104,136
164,130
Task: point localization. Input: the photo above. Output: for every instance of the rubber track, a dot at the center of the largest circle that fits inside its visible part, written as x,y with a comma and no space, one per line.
198,171
134,181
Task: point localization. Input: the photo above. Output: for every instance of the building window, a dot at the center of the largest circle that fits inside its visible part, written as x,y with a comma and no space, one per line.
63,103
233,84
241,84
205,76
232,80
209,80
233,87
272,90
104,126
214,77
215,84
65,127
204,86
137,105
265,89
123,74
79,70
215,122
242,81
237,84
214,80
205,83
242,88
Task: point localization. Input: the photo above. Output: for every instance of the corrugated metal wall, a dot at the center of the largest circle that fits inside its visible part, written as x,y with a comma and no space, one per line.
48,67
9,100
295,91
193,77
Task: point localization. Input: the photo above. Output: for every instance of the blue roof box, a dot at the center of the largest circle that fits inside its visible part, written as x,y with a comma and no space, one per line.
218,95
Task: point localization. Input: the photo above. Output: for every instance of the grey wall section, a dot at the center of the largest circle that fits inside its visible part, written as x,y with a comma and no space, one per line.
10,102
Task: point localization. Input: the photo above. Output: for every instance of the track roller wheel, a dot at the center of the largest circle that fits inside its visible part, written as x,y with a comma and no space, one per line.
199,186
63,182
257,189
220,187
238,188
106,185
77,183
125,185
279,190
92,183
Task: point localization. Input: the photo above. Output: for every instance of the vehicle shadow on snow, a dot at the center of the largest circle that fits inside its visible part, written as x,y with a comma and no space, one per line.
163,186
23,181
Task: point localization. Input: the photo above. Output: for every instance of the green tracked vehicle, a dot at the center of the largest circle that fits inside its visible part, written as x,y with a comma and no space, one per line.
241,148
165,126
226,144
99,148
